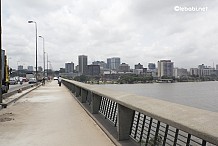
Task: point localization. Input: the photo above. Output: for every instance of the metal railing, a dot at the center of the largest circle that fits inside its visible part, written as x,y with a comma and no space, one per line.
149,121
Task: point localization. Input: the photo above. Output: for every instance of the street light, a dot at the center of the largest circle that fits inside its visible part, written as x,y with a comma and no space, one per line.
18,69
47,64
43,54
36,45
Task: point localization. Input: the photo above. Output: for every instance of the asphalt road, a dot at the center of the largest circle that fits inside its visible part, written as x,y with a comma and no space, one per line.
17,86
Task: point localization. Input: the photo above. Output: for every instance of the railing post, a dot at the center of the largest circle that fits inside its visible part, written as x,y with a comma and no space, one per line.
125,117
84,94
73,88
77,91
95,103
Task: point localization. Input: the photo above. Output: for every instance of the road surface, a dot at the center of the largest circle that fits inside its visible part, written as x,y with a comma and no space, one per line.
49,116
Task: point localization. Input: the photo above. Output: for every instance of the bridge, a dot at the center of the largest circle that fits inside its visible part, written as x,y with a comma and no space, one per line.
81,114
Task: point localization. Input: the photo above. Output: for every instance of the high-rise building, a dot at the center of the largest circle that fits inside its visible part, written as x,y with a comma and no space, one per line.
30,68
124,68
102,64
217,67
69,67
62,70
165,68
179,72
109,63
20,67
93,70
151,66
113,63
194,71
83,64
40,68
138,66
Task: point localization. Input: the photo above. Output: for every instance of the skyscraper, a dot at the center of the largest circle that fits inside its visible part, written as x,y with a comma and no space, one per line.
69,67
82,64
151,66
20,67
165,68
113,63
30,68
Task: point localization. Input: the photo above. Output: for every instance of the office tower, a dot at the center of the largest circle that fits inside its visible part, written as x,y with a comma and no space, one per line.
138,66
124,68
69,67
93,70
82,64
102,64
20,67
113,63
151,66
30,68
165,68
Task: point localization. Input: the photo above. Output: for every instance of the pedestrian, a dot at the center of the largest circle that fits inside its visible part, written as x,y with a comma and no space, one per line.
59,80
43,81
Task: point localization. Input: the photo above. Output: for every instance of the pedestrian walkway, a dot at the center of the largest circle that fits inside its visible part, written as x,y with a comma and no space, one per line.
49,116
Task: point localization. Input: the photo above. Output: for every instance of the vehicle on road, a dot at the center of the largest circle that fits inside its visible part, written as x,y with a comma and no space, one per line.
55,78
13,81
32,81
5,73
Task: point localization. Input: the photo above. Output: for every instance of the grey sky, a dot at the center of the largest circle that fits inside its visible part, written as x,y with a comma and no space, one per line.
135,30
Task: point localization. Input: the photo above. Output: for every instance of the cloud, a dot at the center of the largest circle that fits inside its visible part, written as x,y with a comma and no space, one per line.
135,30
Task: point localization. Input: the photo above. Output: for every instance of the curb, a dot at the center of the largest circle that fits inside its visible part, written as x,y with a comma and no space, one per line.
14,92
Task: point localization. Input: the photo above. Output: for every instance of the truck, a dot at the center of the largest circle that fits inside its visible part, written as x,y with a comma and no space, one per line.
5,73
29,75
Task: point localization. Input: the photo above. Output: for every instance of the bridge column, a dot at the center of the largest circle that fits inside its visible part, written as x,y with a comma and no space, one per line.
89,97
124,119
95,103
84,94
73,88
77,89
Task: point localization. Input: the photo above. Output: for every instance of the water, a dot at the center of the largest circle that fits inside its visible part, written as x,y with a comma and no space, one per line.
203,95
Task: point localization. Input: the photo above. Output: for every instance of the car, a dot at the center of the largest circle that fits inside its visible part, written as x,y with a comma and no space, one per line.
32,81
55,78
13,81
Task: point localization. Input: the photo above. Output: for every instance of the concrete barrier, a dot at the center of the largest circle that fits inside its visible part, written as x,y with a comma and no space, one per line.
146,120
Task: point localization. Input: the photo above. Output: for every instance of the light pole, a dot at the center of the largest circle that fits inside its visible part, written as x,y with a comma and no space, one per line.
43,54
1,66
47,64
36,45
18,70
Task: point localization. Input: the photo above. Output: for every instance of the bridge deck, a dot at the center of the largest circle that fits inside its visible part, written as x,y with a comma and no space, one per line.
49,116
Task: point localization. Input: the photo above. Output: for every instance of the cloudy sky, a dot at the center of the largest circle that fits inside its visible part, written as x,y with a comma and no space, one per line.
135,30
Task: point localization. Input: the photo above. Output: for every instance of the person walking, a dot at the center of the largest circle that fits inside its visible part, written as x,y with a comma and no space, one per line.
59,80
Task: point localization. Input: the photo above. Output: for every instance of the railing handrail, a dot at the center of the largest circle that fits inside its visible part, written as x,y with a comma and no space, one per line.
198,122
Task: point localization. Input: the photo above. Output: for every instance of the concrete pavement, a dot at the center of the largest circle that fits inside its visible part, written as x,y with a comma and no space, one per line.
49,116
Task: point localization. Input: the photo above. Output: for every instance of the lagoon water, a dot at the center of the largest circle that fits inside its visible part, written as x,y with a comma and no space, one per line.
203,95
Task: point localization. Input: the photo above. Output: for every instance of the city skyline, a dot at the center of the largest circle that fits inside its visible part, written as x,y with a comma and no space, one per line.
215,66
136,31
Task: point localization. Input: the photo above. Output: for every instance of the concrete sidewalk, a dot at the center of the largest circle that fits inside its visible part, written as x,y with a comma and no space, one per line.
49,116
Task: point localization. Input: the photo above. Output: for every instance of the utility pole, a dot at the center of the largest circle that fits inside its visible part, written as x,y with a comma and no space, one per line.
1,67
1,61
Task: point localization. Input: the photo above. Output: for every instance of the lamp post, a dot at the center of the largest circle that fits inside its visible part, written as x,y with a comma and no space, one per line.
47,64
1,67
36,45
43,54
18,69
